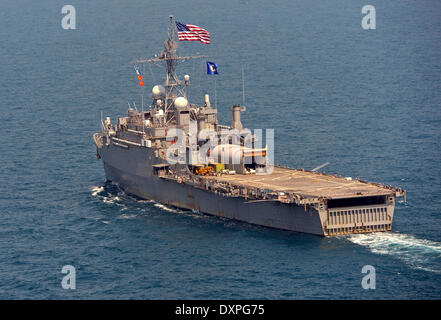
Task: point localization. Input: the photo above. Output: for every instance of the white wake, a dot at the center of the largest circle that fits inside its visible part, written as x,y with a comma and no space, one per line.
418,253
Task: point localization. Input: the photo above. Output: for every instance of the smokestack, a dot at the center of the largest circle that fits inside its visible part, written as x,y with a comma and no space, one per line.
236,124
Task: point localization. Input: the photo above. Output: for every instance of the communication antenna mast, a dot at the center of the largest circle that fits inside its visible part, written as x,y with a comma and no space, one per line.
243,87
215,94
174,87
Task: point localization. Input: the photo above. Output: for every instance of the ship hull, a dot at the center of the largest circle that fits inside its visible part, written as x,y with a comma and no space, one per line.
132,169
269,214
120,168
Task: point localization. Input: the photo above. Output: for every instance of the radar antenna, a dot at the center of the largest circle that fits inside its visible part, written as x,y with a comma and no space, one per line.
174,87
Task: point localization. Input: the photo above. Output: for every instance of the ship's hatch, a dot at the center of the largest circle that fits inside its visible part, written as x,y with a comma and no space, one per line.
356,201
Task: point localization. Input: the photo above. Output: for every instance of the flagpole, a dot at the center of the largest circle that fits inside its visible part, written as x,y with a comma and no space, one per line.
142,89
215,94
142,99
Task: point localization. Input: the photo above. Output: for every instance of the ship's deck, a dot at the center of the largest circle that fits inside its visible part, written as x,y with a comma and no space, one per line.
306,183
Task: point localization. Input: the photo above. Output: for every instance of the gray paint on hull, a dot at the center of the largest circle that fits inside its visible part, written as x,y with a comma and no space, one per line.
137,178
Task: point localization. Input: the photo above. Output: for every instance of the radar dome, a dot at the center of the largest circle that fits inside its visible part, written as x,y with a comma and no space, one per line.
181,102
158,91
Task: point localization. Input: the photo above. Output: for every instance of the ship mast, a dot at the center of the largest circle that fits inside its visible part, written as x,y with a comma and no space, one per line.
174,87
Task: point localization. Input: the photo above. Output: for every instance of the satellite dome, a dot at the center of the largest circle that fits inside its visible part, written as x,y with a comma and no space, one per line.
158,91
181,102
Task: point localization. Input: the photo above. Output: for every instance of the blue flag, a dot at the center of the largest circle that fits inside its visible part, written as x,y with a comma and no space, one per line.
211,68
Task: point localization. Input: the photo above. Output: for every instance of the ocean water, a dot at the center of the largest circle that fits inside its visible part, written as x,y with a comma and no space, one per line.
366,101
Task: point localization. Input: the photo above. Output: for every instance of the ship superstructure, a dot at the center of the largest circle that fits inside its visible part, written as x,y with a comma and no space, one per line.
176,152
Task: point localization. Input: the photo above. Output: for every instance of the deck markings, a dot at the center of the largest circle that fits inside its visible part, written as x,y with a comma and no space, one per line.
305,183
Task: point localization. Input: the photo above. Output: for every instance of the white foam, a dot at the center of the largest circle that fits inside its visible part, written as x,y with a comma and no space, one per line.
100,193
418,253
122,200
128,216
97,190
164,207
145,201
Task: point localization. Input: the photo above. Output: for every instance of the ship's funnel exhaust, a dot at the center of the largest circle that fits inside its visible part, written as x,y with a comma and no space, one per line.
236,124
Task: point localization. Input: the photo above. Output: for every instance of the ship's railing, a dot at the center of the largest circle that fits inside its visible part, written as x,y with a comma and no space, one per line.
98,139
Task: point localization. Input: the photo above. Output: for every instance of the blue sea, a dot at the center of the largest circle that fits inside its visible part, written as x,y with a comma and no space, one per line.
366,101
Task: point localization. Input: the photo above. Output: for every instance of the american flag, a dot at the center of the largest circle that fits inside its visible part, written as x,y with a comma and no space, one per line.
190,32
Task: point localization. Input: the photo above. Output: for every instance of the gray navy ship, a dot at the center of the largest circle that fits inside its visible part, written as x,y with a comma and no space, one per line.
176,153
